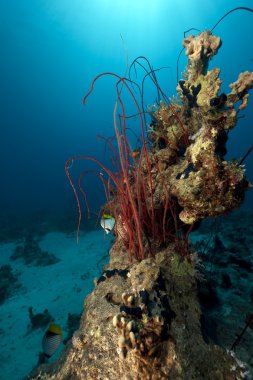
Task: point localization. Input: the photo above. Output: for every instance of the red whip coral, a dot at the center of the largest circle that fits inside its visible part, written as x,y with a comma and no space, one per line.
178,175
140,226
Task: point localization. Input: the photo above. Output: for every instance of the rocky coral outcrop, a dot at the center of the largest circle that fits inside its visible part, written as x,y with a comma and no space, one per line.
142,321
196,128
199,50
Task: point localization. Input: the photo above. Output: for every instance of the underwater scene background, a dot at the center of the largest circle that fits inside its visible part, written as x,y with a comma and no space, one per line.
50,53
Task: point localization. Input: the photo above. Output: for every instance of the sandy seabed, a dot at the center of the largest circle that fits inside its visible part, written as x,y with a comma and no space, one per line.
60,288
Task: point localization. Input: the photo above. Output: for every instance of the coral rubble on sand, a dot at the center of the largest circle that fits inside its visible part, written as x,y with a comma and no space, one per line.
31,253
142,321
9,283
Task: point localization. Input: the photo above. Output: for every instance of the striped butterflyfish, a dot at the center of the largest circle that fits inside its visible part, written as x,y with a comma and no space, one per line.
51,340
107,223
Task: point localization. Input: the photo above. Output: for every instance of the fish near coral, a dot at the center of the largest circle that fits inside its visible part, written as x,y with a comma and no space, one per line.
51,340
107,223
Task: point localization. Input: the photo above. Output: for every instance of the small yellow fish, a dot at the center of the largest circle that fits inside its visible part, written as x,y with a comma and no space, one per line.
106,216
107,223
51,340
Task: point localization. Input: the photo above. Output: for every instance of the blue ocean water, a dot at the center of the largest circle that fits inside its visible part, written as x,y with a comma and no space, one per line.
51,51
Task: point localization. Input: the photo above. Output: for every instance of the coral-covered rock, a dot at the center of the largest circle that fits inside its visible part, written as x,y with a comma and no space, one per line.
142,321
142,326
240,90
201,180
199,50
